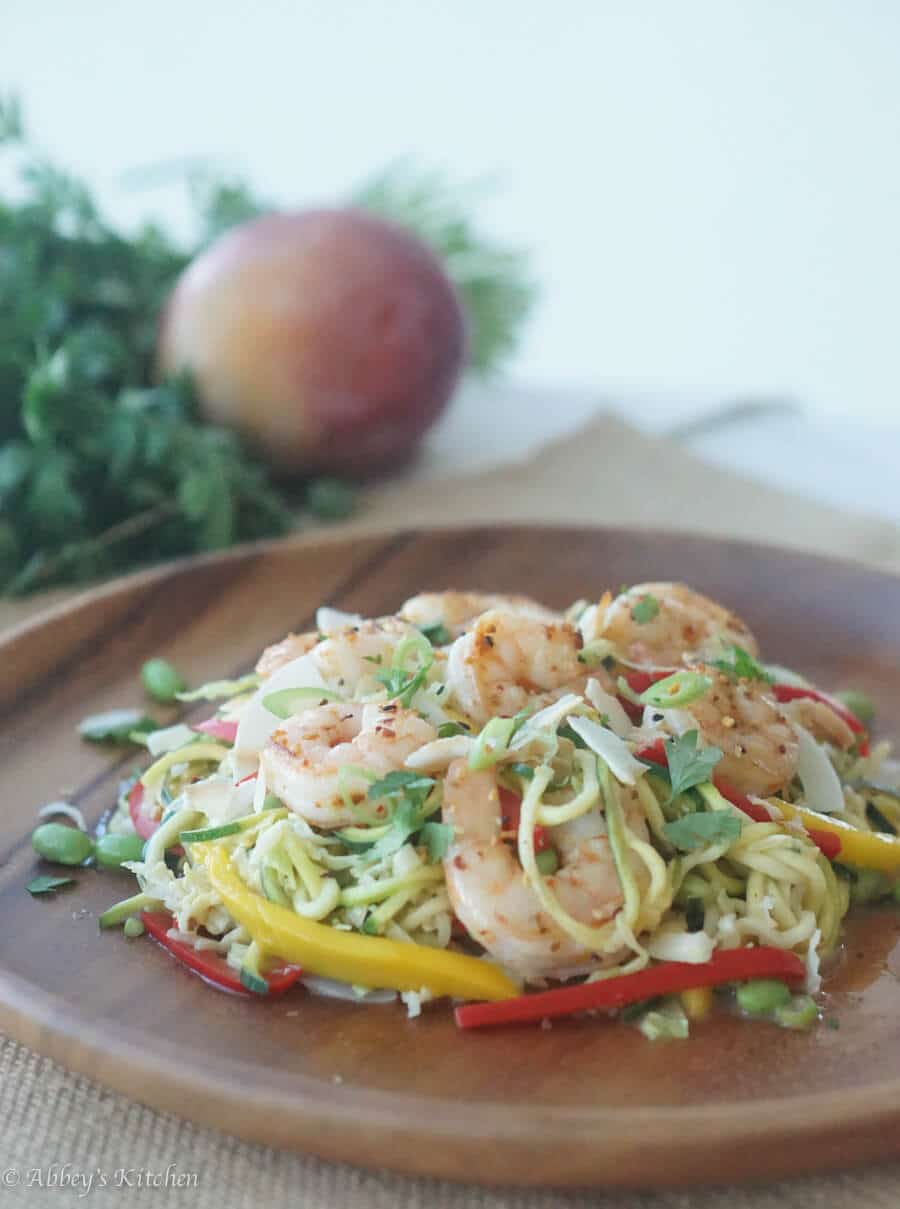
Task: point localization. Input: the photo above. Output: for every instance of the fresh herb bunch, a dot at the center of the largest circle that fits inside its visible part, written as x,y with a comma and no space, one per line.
103,468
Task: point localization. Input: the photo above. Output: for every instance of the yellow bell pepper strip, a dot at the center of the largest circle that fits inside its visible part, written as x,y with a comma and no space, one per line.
697,1002
370,961
864,849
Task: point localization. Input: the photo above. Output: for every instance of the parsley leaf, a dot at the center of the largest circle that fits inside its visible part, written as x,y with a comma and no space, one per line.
436,633
401,685
46,884
739,664
407,795
102,467
695,830
645,610
689,764
437,838
399,784
116,726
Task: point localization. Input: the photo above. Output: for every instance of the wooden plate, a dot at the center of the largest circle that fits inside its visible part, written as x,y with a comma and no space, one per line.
583,1103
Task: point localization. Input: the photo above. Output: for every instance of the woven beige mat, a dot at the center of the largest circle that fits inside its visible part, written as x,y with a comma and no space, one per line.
65,1141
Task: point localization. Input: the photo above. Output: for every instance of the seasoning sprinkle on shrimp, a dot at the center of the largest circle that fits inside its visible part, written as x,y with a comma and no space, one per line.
316,763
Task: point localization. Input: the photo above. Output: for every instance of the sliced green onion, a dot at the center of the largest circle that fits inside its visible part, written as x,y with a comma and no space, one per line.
289,701
681,688
447,730
492,743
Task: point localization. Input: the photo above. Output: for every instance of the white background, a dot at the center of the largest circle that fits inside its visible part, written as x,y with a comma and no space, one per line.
711,187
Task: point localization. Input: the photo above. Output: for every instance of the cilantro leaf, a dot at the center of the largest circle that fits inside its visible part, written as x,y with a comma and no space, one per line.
46,884
645,610
695,830
407,794
399,784
739,664
437,838
436,633
689,764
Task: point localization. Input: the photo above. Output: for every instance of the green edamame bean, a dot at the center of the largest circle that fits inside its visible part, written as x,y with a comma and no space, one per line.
859,704
161,680
61,844
111,850
762,995
133,928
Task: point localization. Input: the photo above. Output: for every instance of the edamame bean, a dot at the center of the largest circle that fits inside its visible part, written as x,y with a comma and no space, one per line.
61,844
161,680
112,850
133,928
762,995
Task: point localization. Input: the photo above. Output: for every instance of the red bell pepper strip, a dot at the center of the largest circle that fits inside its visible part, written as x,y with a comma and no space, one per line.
219,728
829,845
210,966
654,752
793,692
668,978
143,824
511,813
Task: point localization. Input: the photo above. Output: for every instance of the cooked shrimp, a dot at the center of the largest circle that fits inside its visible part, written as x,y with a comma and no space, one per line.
759,745
491,896
457,610
822,722
506,662
346,656
687,625
303,760
291,647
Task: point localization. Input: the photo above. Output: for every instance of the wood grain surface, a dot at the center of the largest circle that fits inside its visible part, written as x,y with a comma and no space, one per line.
587,1102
